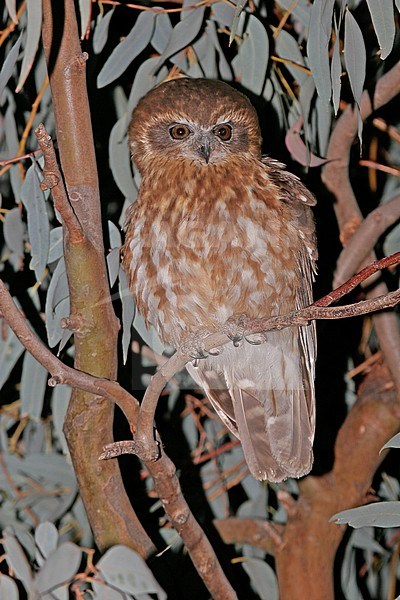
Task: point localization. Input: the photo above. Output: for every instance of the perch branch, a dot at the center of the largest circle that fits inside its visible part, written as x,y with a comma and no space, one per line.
147,448
163,472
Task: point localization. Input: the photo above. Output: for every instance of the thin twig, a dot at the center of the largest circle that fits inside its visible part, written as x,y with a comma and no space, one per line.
163,472
146,446
54,181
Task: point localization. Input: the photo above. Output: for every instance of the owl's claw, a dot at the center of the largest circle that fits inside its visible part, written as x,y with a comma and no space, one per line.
193,345
255,341
235,327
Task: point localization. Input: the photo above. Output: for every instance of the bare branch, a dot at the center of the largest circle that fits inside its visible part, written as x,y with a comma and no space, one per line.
256,532
335,172
132,528
53,181
335,175
364,239
147,448
163,472
371,422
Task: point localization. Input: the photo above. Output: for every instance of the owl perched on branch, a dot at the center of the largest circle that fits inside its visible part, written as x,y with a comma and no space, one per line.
217,232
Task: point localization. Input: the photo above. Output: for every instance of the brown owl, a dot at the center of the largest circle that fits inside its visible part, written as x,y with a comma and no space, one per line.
218,231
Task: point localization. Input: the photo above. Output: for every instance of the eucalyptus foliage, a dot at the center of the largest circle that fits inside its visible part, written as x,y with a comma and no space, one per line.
302,67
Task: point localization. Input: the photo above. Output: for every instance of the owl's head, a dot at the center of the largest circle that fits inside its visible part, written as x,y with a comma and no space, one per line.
198,120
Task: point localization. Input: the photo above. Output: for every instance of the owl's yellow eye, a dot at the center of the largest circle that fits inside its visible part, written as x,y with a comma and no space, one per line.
224,132
179,132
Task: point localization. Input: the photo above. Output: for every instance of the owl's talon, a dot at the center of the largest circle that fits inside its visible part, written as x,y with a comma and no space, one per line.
235,327
215,351
193,346
255,341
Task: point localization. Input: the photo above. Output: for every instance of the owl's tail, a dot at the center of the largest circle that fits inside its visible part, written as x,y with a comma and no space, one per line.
265,396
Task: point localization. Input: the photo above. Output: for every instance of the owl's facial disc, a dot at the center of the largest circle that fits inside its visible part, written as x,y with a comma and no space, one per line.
204,145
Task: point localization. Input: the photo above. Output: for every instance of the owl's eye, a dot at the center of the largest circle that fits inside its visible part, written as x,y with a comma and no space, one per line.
224,132
179,132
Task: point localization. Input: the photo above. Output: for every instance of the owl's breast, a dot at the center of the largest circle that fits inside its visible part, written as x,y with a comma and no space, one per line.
194,265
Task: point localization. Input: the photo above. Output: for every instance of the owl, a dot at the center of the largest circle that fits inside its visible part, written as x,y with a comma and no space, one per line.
219,232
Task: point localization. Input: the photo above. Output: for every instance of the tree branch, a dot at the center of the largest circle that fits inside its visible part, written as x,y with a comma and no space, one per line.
335,175
305,562
53,181
163,472
146,447
335,172
256,532
89,422
364,239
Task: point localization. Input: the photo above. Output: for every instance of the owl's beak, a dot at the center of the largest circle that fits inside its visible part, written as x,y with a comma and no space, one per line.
205,149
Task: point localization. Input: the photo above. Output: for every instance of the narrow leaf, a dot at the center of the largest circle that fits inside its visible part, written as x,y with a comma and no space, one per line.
85,9
17,561
113,260
382,16
59,405
223,65
238,10
120,163
100,34
46,538
125,570
127,50
148,334
33,199
10,351
254,56
128,312
33,387
299,150
9,64
14,232
223,13
355,59
8,588
394,442
183,34
145,79
12,10
336,72
114,235
262,578
300,10
162,34
56,249
60,567
57,304
317,46
380,514
288,48
34,27
354,56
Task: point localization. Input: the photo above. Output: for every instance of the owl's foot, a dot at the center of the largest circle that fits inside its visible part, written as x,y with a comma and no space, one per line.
193,346
235,327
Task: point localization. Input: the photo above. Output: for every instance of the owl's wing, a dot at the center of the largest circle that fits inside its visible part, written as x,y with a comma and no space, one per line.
264,395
